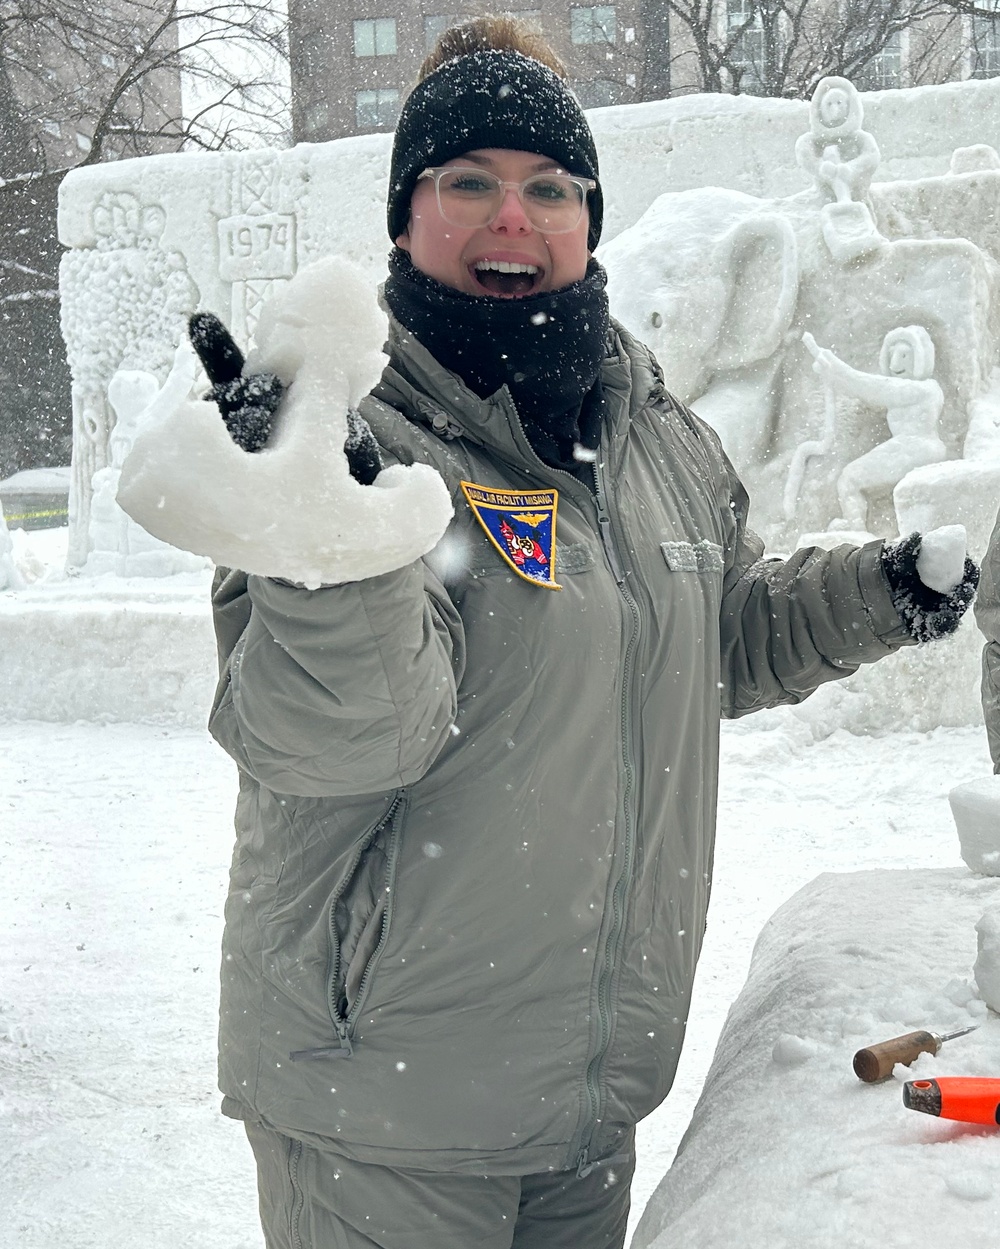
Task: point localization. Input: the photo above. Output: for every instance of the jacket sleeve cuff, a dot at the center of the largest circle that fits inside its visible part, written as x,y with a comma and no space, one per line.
886,622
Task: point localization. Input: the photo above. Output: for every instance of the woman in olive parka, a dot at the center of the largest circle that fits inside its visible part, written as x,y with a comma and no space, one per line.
477,799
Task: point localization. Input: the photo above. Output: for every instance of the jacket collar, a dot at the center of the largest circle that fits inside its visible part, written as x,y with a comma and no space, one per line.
415,382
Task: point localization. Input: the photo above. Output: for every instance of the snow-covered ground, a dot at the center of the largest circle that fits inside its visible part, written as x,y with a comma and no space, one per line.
115,842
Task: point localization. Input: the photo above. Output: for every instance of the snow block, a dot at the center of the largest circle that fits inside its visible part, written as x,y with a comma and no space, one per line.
107,649
987,969
966,492
976,808
786,1147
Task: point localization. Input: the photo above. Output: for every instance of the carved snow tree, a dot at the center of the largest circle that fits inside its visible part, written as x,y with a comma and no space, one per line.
82,83
784,47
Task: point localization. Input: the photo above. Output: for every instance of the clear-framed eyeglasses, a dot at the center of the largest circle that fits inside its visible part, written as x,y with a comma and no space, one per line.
471,198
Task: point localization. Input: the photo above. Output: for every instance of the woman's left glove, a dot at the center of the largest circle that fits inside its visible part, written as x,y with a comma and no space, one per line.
928,613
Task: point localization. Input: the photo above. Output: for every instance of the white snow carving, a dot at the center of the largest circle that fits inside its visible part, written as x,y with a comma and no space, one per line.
913,401
291,510
10,575
841,158
116,543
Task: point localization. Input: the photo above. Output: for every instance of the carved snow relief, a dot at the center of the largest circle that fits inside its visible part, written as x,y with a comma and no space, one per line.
844,341
125,302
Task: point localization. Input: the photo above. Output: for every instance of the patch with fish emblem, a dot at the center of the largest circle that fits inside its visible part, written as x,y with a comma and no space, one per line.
522,527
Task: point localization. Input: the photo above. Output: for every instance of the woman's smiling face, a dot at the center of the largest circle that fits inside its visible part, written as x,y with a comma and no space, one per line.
468,260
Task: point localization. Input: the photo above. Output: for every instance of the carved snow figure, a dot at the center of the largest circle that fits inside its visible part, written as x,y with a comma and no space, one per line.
913,401
117,544
10,577
841,158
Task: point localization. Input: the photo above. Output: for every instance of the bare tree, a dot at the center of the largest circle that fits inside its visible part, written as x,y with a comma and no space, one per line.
84,82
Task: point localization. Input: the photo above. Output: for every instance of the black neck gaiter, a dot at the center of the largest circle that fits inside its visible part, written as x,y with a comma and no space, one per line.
547,349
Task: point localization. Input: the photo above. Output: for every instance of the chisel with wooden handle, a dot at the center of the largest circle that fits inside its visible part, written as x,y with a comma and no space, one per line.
970,1099
877,1061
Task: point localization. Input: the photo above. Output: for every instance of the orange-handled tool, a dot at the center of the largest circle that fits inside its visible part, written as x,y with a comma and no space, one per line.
969,1099
876,1062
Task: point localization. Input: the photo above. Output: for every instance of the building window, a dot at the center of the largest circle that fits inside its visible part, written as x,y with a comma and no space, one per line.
743,20
596,25
986,42
434,27
316,116
376,110
878,49
884,68
375,37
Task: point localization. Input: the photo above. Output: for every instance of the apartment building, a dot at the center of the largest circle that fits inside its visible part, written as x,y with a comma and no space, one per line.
62,74
352,64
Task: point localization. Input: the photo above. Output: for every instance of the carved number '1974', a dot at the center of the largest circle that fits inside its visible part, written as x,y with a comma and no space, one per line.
256,247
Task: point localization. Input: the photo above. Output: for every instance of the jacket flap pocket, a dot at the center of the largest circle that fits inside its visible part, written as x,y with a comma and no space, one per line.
701,557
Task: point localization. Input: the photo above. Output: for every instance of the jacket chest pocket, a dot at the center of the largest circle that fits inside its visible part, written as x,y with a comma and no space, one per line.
704,557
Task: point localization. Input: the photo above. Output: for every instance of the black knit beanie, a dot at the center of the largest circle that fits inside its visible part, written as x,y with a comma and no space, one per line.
490,98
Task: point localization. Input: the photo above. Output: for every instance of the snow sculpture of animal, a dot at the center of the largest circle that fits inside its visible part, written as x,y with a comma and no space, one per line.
714,305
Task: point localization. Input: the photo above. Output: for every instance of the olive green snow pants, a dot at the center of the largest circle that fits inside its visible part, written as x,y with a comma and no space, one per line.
314,1199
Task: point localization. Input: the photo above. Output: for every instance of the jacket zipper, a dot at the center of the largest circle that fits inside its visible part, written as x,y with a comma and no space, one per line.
612,944
344,1026
298,1195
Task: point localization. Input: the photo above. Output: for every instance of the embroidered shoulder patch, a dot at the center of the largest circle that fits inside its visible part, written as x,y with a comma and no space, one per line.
703,556
522,527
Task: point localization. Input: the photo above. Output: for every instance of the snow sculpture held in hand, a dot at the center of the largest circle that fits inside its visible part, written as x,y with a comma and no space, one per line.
291,509
117,544
841,158
913,401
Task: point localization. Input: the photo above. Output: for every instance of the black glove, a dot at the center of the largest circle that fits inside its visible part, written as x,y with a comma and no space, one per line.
926,613
248,404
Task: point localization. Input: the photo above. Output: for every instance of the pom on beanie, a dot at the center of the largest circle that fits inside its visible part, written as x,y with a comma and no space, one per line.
490,98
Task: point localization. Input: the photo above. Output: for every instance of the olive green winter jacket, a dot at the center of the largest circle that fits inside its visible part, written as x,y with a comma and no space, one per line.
988,618
476,815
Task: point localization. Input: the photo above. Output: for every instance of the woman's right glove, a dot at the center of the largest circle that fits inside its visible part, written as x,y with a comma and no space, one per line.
247,404
311,506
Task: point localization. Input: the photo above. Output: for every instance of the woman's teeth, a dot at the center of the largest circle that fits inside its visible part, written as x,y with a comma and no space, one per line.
506,266
506,278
